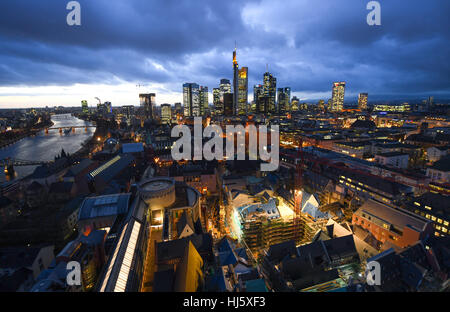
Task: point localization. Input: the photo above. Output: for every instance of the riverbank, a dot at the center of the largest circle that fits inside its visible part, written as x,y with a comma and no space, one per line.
46,146
8,138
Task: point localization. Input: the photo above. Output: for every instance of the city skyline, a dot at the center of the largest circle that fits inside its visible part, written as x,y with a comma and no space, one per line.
241,148
48,63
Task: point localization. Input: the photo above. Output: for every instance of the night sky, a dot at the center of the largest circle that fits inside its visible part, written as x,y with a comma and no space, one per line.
307,45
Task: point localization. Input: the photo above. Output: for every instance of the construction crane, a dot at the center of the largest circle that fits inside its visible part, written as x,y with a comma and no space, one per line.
99,102
298,192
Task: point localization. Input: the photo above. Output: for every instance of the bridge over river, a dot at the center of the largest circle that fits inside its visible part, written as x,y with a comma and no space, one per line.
32,151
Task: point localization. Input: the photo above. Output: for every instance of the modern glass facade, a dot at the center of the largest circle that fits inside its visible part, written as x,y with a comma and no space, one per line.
270,87
191,100
243,91
147,102
362,101
204,100
166,114
337,97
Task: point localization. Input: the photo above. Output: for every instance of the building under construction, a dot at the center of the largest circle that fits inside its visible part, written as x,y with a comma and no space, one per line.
263,225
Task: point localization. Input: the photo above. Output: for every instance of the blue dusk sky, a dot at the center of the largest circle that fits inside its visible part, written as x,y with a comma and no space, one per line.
307,44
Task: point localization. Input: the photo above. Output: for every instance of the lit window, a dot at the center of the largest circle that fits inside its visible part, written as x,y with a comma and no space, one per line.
433,218
428,207
439,221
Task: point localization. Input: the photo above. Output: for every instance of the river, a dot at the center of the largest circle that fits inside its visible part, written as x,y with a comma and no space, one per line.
45,146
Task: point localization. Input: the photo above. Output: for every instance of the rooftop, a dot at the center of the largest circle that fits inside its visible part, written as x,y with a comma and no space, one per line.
106,205
442,164
398,217
392,154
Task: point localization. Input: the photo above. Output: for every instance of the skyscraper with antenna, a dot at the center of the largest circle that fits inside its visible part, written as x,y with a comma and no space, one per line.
235,81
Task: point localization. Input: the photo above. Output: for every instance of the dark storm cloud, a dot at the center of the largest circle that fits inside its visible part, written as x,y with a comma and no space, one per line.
307,44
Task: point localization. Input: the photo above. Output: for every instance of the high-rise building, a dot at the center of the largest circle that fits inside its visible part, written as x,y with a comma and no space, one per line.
204,100
295,104
329,105
287,91
84,107
101,108
178,108
128,111
225,86
147,102
243,91
218,107
270,87
283,97
258,93
166,114
430,102
191,100
337,97
108,106
426,105
235,83
321,105
228,104
362,101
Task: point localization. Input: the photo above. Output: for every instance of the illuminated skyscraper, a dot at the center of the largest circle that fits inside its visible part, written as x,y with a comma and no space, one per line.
295,106
147,102
101,108
362,101
321,105
191,100
283,97
329,105
270,87
84,107
287,91
166,114
108,106
204,100
228,104
337,97
258,93
178,108
243,91
235,83
128,111
218,107
225,86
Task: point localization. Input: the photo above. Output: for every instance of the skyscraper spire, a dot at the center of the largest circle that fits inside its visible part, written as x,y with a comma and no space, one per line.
235,81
